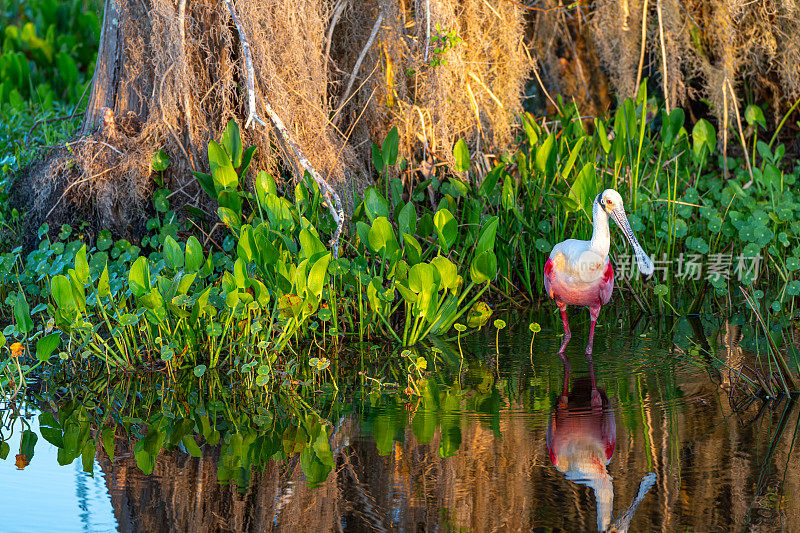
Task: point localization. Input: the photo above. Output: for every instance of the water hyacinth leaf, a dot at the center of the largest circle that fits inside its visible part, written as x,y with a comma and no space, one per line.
545,161
447,272
229,217
584,189
109,443
390,147
139,277
754,115
240,274
446,229
407,219
375,204
531,129
191,446
247,158
231,200
290,305
50,429
82,271
45,346
412,249
199,370
194,254
602,134
381,237
232,142
490,180
206,181
377,158
461,156
22,314
87,456
483,268
671,125
318,274
420,278
28,443
478,315
487,236
159,161
573,156
222,172
704,138
173,255
310,244
103,286
264,185
61,291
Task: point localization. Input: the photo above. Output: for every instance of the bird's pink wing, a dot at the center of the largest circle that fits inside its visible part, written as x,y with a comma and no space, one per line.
607,284
548,271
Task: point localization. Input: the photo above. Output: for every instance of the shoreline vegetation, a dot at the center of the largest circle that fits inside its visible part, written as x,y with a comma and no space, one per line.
252,283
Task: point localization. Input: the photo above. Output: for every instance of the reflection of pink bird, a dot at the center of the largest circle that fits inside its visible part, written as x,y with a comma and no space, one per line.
581,437
579,272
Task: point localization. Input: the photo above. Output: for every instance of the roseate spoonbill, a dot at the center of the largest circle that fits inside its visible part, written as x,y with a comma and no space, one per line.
581,437
579,272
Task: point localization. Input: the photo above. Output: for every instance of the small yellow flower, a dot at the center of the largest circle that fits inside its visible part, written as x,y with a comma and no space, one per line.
17,349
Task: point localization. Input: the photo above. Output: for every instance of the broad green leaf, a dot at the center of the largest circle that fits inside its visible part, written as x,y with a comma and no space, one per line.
82,266
446,229
103,286
375,204
139,277
194,254
173,255
51,429
483,268
703,138
461,155
22,314
602,134
545,161
487,236
754,115
381,238
318,274
584,188
232,142
45,346
390,147
264,185
61,291
572,157
222,172
207,183
407,219
109,443
671,126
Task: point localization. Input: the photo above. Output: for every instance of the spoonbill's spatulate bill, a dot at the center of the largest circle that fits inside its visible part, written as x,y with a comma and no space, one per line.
579,272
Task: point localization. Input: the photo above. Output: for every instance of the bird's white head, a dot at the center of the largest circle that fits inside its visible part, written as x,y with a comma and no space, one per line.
610,202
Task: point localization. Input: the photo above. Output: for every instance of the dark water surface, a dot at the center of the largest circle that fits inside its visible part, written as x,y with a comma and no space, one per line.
520,442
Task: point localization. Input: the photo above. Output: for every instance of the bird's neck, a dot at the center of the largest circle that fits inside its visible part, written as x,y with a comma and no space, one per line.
601,238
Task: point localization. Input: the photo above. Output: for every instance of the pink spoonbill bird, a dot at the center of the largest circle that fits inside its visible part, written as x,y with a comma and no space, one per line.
579,272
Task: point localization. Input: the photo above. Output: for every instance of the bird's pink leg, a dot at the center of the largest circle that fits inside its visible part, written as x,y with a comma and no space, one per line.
593,311
567,334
